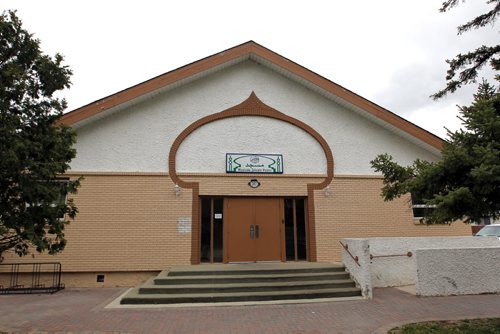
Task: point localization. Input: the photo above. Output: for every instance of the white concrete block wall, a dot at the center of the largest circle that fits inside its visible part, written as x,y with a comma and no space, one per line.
359,272
401,270
480,261
460,271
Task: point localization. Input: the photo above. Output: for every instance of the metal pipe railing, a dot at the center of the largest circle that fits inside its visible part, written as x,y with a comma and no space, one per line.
409,254
355,258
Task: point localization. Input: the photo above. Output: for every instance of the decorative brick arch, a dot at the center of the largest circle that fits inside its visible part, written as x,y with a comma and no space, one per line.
252,106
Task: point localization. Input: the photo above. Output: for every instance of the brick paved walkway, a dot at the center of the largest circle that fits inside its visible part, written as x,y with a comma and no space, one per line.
83,311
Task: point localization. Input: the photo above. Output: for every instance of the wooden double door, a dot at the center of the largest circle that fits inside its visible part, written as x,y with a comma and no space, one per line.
254,229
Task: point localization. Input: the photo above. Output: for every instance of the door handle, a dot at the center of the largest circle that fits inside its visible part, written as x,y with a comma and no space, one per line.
256,231
252,231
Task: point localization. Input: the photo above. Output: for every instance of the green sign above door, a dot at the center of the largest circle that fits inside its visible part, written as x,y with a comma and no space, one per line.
254,163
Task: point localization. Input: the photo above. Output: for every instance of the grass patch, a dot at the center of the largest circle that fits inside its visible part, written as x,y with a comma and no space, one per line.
474,326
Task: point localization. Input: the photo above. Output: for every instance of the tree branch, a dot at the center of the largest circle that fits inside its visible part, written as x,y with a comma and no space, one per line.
481,20
447,5
477,58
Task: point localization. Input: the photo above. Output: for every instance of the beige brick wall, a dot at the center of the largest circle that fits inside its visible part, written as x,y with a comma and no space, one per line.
355,209
111,279
83,279
127,225
237,184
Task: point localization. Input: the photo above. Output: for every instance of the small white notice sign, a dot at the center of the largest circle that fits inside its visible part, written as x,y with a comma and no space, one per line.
218,216
184,225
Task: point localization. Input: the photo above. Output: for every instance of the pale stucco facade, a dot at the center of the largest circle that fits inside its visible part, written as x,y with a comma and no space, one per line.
132,221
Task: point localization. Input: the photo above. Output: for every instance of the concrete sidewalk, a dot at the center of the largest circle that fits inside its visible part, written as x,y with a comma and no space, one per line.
83,311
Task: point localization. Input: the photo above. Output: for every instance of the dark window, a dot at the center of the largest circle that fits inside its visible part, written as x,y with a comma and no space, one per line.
205,229
301,228
217,227
211,229
295,229
420,209
289,230
61,198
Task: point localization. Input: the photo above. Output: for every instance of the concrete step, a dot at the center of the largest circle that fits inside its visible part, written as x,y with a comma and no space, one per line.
215,283
244,287
249,270
135,298
249,278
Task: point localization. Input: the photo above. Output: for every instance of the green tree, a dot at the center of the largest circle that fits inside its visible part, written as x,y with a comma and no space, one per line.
34,150
464,68
465,183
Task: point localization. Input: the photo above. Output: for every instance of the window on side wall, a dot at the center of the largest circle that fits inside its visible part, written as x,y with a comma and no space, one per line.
485,221
420,209
61,198
63,195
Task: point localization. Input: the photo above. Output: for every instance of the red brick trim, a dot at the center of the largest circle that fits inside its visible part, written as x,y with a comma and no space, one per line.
250,107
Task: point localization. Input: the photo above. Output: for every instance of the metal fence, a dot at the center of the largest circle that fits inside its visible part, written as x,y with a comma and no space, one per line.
39,277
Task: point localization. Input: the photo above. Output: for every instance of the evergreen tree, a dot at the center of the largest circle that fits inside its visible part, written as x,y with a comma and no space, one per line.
464,68
465,184
34,150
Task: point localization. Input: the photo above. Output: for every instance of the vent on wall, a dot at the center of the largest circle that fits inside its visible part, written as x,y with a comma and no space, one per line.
100,278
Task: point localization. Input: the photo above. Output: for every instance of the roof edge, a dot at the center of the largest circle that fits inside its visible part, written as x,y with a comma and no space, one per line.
243,49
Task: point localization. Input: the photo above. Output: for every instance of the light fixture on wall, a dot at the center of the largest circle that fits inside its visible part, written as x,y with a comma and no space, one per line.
254,183
327,191
177,190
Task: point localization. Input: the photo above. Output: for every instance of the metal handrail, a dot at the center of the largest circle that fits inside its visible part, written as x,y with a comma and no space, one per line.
355,258
409,254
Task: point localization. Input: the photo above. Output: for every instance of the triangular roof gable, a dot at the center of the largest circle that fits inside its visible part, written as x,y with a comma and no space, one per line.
256,50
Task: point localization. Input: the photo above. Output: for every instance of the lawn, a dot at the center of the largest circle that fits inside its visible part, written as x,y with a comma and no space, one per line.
475,326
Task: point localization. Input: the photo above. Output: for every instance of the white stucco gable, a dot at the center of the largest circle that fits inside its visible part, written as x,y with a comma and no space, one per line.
137,136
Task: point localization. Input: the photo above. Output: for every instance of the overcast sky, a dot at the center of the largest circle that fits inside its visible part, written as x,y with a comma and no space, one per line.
390,52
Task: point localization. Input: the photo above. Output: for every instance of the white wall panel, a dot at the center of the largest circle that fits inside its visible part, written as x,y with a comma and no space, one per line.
139,138
205,149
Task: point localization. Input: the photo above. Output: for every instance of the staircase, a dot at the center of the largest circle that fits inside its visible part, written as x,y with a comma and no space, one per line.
216,283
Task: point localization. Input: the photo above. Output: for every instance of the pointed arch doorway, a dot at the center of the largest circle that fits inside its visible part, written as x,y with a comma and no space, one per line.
250,107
